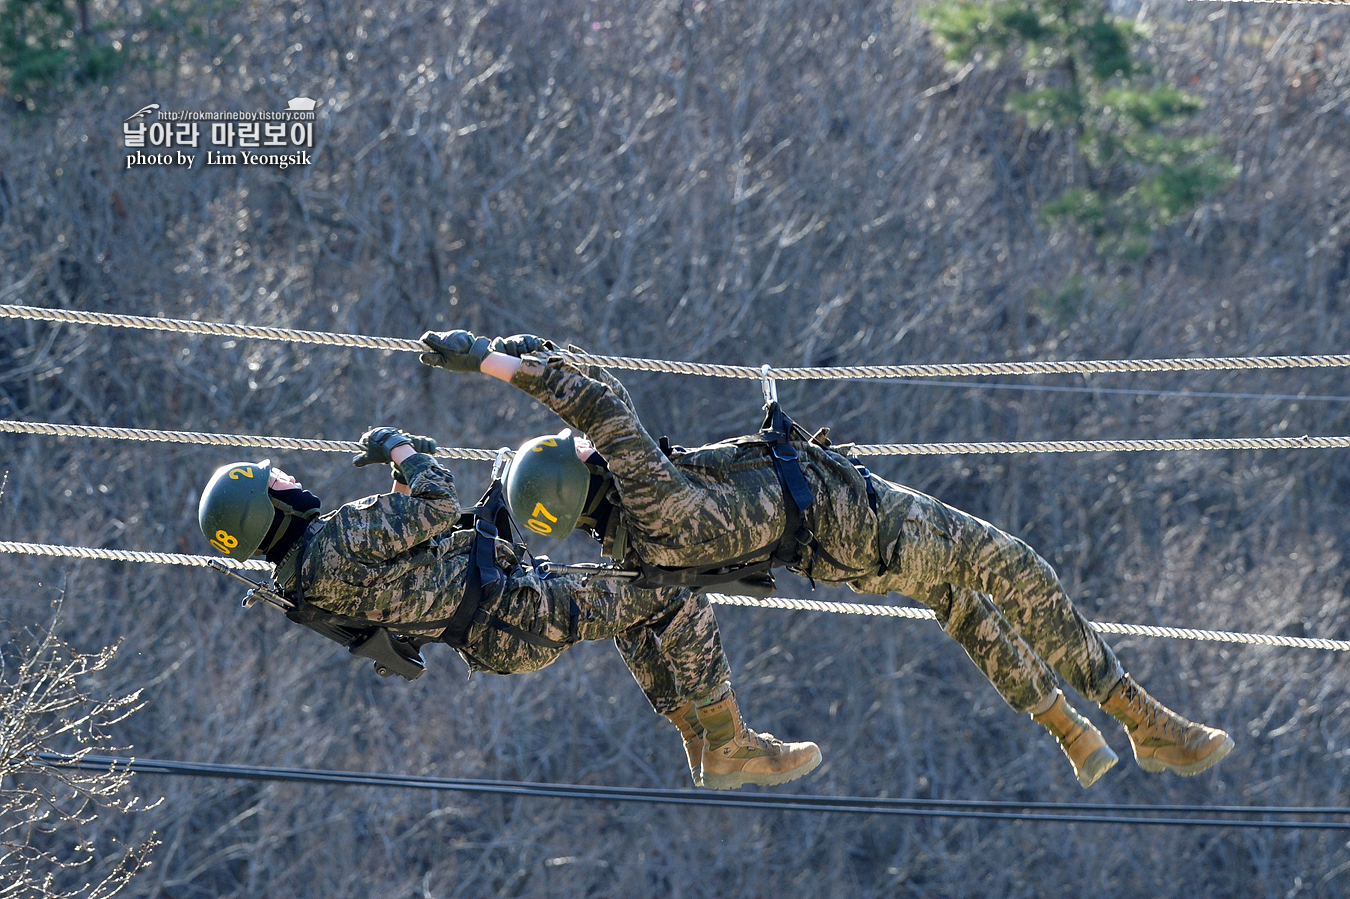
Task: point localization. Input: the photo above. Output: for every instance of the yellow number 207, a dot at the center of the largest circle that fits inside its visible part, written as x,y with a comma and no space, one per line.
538,526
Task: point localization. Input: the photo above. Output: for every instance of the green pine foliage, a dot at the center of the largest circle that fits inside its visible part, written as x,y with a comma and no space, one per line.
48,47
1136,171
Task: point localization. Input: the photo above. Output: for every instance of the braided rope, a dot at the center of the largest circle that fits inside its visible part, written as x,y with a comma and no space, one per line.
963,369
1098,446
292,443
884,449
773,602
1102,366
217,329
1138,630
124,555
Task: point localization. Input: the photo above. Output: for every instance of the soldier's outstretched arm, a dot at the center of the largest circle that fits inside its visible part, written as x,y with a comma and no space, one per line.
591,401
501,357
379,527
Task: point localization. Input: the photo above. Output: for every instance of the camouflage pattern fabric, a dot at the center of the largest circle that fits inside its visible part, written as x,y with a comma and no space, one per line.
988,587
399,560
1001,601
706,505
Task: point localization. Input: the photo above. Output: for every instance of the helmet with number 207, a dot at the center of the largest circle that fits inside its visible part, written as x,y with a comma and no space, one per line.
547,485
235,512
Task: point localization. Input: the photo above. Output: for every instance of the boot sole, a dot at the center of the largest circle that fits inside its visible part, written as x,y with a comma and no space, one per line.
1154,766
734,780
1097,764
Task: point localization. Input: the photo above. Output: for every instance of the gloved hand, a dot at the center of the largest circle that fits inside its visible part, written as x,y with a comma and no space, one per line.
454,350
377,444
520,345
419,444
423,444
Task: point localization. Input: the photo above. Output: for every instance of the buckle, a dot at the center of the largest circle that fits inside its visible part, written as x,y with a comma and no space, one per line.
485,528
785,452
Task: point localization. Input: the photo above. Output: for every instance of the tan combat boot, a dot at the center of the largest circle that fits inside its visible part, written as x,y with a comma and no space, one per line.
1080,740
686,719
734,755
1163,740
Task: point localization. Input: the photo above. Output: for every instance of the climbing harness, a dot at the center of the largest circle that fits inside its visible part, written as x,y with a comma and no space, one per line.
797,546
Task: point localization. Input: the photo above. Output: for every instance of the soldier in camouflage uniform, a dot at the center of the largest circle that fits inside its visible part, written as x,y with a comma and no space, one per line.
400,560
990,591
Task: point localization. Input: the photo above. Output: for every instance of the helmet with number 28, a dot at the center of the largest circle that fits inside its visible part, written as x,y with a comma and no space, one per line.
235,512
547,485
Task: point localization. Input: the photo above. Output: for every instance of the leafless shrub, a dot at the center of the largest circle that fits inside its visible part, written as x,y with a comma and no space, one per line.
52,714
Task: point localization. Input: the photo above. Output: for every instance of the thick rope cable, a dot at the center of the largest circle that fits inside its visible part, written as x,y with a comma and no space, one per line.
124,555
964,369
207,439
49,429
1104,627
774,602
1098,446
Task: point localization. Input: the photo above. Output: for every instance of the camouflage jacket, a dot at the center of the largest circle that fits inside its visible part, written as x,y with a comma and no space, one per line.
705,506
396,559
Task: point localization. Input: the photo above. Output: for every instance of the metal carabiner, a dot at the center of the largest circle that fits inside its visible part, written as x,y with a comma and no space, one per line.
768,385
502,462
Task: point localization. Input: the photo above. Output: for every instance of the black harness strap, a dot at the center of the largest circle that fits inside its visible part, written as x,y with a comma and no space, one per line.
490,518
481,572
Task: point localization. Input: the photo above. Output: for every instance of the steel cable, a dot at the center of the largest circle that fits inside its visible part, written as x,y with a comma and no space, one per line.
858,805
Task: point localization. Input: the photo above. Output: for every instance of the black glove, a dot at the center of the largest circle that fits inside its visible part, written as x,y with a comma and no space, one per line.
422,444
419,444
455,350
378,443
520,345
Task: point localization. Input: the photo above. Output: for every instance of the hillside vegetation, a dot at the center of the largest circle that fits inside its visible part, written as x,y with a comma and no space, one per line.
780,181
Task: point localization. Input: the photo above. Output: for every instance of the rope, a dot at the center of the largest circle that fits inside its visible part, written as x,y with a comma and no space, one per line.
1167,815
773,602
123,555
198,437
1137,630
217,329
961,369
883,449
1098,446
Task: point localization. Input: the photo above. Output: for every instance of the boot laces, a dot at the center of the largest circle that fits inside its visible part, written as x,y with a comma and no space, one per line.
1152,715
757,740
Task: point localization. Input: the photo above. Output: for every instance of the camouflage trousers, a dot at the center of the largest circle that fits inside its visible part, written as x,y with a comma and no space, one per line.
992,594
668,637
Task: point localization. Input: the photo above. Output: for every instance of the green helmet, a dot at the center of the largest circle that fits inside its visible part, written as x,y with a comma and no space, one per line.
235,512
547,485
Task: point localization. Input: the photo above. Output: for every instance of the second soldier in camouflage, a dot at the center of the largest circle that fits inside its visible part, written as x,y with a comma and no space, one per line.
990,591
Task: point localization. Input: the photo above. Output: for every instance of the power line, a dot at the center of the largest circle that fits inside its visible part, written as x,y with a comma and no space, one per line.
773,602
859,805
959,369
